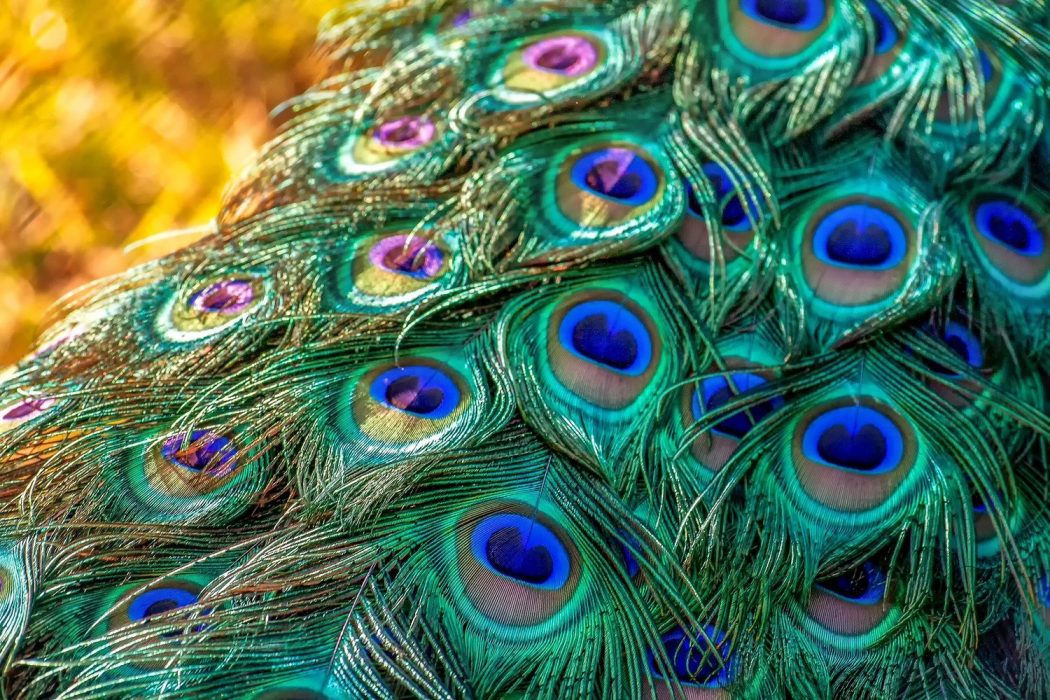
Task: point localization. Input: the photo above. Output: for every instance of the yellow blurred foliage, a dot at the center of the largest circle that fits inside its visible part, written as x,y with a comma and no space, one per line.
125,119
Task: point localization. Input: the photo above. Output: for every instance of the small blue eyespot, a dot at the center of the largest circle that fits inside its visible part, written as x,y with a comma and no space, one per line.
854,438
420,390
864,585
715,392
706,661
609,334
159,600
860,236
1010,226
886,34
797,15
617,174
522,549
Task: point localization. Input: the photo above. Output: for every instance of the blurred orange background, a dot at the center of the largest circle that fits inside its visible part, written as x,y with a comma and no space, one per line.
125,119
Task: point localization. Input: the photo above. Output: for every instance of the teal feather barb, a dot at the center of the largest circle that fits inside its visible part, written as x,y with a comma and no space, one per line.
633,349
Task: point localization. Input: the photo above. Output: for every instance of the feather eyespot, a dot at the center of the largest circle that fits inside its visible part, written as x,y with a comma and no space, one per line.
186,476
419,390
737,220
544,66
602,185
517,566
212,306
387,145
777,29
857,252
412,402
851,454
750,367
155,608
603,347
854,602
888,43
392,271
1008,237
701,660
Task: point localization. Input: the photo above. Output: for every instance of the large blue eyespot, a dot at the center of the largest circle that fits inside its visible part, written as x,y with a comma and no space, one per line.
607,333
886,34
705,660
854,438
159,600
421,390
860,236
521,548
715,392
864,585
616,174
1010,226
799,15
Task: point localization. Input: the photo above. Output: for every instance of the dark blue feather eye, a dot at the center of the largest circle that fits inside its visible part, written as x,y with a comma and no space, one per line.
715,392
514,564
863,585
856,438
159,600
734,215
705,659
606,333
860,235
521,548
798,15
1009,225
985,63
617,174
201,451
421,390
962,342
886,34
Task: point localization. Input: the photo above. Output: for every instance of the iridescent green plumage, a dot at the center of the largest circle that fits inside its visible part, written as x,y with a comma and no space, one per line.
632,349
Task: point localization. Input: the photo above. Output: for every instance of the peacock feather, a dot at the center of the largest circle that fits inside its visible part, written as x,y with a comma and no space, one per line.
633,349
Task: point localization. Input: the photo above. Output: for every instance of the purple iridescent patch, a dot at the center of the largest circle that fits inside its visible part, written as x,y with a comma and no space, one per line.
565,55
405,132
200,450
225,297
407,255
26,409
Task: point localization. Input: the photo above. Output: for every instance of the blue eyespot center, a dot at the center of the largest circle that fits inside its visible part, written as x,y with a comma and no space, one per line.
962,342
1011,226
797,15
860,236
886,35
420,390
522,549
705,660
616,174
201,451
609,334
159,600
715,392
734,214
865,585
854,438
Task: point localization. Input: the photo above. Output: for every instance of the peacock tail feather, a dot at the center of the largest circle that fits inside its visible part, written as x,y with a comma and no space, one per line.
633,349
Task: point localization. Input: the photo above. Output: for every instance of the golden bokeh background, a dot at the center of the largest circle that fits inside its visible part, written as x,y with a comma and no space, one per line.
120,120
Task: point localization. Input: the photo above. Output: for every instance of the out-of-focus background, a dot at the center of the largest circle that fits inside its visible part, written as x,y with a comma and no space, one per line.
123,119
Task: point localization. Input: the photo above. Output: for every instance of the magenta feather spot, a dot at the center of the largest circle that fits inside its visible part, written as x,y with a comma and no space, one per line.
230,296
407,255
405,132
565,55
26,409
